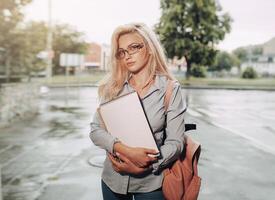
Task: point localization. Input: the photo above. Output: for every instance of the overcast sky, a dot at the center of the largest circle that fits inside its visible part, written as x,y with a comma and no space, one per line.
254,20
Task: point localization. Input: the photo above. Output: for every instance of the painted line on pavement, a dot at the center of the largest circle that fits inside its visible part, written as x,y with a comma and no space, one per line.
253,141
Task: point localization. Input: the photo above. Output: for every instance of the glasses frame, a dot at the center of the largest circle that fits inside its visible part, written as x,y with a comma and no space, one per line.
134,51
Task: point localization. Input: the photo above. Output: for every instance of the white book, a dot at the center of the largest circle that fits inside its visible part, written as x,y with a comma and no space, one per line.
125,119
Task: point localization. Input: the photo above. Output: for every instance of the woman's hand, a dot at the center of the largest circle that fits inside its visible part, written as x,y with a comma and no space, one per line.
125,165
141,157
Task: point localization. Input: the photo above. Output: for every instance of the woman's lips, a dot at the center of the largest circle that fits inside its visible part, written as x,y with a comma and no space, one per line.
130,63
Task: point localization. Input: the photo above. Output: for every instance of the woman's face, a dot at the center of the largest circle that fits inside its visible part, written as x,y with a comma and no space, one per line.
132,52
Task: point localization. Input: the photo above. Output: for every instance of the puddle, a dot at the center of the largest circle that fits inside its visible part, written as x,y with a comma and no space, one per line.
5,179
60,129
16,181
72,110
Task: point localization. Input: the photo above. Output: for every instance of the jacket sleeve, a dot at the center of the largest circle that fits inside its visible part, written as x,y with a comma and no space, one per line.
175,128
99,136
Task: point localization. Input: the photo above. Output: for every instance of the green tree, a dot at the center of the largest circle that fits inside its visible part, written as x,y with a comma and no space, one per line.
198,71
192,28
11,17
257,50
21,43
66,40
249,52
30,41
224,61
249,73
34,33
241,54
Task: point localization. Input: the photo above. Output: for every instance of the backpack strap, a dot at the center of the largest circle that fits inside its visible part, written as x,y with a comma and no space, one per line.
193,148
167,97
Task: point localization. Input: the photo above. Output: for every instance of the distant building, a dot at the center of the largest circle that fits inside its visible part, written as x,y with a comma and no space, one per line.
105,56
97,56
269,47
264,64
92,58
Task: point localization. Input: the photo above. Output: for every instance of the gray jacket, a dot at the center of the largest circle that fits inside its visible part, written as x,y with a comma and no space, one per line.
171,147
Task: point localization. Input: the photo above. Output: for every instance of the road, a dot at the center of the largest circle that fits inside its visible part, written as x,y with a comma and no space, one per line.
250,114
46,158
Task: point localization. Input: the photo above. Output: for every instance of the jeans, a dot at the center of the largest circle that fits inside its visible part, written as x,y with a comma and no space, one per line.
108,194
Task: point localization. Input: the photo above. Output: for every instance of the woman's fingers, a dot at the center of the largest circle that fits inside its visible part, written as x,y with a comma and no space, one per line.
116,165
123,158
150,151
151,156
113,160
126,166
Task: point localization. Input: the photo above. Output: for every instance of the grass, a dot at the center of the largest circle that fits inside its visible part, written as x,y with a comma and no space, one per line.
93,78
96,76
228,82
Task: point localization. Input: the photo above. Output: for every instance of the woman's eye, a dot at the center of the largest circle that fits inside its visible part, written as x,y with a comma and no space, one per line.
133,47
120,53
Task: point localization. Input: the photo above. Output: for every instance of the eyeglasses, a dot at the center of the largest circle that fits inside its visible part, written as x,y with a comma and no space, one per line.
131,49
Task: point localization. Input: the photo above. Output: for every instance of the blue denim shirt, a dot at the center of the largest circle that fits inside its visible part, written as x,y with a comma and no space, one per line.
170,142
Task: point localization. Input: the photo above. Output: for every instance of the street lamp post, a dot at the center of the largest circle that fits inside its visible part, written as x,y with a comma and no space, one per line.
49,41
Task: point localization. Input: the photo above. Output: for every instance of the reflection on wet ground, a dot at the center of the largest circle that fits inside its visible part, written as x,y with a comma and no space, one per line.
60,129
72,110
33,152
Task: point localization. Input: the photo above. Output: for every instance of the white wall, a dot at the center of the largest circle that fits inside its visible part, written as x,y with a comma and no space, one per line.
261,68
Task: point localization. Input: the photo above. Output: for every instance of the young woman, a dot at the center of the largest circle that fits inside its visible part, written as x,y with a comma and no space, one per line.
138,64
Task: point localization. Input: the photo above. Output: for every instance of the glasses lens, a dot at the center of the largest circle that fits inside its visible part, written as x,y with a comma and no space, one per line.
120,54
134,48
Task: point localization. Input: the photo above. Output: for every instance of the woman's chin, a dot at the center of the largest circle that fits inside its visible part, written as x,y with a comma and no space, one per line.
134,69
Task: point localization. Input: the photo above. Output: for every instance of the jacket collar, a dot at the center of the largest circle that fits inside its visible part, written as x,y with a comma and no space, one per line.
158,84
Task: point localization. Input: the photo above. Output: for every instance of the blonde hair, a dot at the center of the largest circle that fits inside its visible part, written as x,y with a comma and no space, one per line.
110,87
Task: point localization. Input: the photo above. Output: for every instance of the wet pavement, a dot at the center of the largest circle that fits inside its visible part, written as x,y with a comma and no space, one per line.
47,158
35,153
249,114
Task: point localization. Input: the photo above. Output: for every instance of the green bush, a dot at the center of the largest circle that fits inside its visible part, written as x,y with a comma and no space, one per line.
198,71
250,73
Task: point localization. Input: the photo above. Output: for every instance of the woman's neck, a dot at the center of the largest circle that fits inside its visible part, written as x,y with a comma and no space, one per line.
141,83
141,78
